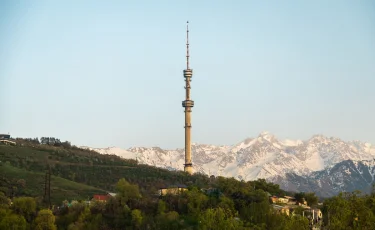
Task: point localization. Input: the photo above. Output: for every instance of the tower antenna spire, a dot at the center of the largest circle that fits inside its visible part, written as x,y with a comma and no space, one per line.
188,104
187,45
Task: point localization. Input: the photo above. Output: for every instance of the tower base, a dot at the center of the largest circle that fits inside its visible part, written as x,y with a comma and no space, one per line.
188,168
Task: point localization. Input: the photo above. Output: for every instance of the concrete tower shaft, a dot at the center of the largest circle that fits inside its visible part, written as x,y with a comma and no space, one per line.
188,104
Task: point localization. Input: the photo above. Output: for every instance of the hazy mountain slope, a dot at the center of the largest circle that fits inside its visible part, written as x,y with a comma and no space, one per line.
344,176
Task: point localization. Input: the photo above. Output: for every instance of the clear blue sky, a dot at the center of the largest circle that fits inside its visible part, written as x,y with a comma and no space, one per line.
109,73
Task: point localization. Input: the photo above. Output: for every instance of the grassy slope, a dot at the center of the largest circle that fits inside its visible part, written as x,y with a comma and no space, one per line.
61,188
101,171
87,168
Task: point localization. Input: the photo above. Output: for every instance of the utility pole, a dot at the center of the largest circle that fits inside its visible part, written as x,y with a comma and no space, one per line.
47,187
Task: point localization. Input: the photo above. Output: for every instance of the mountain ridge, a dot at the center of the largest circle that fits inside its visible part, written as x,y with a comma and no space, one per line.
264,156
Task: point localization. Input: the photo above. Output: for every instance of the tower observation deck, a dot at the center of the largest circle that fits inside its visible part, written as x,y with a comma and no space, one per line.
188,104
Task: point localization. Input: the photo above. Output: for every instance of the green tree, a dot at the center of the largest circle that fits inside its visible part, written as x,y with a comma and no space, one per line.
297,222
96,222
227,204
253,206
161,207
82,221
4,212
119,213
13,221
4,201
349,211
168,221
276,221
45,220
338,213
25,206
262,184
230,185
299,197
312,199
196,202
97,207
127,193
218,218
361,213
137,218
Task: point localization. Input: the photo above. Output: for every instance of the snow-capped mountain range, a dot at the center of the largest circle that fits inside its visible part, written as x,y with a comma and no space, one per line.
285,162
344,176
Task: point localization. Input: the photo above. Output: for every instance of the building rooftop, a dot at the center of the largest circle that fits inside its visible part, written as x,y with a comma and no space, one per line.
101,197
112,194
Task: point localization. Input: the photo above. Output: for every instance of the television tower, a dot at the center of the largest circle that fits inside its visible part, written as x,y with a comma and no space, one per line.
187,104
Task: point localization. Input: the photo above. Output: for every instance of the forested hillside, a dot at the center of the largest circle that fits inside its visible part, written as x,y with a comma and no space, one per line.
209,202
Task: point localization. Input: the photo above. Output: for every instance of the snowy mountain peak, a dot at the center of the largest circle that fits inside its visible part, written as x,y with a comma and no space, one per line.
267,136
318,138
264,133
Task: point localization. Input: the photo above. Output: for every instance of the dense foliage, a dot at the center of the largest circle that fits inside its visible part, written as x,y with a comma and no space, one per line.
244,208
350,211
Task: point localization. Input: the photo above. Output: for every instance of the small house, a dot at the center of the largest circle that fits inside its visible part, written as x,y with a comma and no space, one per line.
173,190
281,209
291,200
282,200
101,198
274,199
111,194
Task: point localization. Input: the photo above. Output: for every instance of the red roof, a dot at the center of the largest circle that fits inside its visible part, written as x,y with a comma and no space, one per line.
101,197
